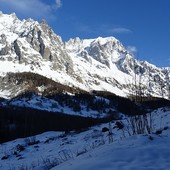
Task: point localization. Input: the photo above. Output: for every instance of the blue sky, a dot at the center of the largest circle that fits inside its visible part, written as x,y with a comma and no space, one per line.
143,26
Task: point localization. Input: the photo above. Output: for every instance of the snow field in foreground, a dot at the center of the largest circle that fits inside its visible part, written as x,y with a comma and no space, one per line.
91,149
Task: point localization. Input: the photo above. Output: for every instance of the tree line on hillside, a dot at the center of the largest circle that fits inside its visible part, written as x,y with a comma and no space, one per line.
18,122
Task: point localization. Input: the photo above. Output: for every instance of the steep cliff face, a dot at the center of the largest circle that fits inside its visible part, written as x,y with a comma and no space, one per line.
90,64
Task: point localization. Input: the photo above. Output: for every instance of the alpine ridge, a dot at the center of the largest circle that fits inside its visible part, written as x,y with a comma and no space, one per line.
100,64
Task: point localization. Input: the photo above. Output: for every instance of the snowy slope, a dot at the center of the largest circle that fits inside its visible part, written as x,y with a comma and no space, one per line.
90,64
91,149
134,153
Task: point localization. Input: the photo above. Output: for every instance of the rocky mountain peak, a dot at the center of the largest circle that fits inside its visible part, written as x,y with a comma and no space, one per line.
27,41
104,50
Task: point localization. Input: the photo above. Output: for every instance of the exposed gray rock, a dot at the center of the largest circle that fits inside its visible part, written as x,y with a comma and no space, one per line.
32,38
3,39
5,50
17,49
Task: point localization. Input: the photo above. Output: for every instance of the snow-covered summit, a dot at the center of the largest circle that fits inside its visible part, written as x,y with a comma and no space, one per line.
107,47
13,27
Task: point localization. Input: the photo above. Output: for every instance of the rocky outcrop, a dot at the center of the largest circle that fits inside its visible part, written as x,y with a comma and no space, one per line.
17,49
5,50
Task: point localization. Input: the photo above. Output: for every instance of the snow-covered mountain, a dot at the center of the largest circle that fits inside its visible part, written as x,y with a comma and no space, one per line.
112,68
91,64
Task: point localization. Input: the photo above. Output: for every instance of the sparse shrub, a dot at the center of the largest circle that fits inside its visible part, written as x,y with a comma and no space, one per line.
105,129
141,124
119,125
81,152
62,135
150,138
49,139
110,133
97,143
20,148
114,115
50,163
76,108
27,141
96,134
65,155
165,128
5,157
158,132
20,157
31,141
23,167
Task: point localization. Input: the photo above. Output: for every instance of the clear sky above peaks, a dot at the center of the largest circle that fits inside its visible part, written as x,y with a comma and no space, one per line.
143,26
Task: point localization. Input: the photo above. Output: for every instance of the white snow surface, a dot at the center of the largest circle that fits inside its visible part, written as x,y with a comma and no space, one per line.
134,153
91,149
